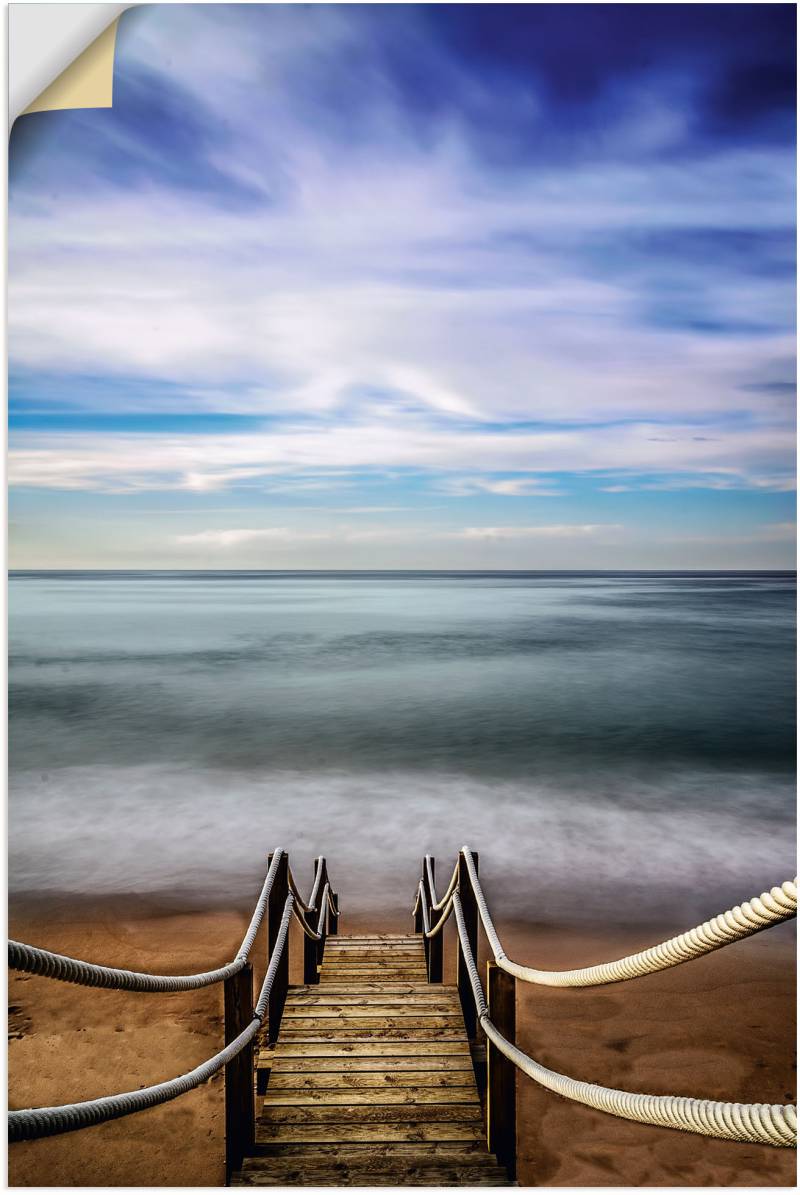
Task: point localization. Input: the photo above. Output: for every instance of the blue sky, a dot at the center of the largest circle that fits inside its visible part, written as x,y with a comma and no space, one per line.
395,286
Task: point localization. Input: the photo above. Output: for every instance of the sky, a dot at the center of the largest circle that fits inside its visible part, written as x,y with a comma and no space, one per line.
364,286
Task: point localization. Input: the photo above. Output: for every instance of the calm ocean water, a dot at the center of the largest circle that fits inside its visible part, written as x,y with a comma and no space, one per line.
613,744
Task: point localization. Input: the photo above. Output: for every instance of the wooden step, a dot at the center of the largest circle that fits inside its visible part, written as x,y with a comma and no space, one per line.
309,1169
371,1081
347,1095
337,1080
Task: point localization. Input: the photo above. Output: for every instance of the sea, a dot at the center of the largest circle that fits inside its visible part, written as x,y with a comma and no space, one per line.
618,747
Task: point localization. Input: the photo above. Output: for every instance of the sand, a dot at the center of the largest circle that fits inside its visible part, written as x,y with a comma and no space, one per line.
721,1027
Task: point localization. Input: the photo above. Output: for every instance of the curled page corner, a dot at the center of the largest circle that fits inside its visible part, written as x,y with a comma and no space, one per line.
88,82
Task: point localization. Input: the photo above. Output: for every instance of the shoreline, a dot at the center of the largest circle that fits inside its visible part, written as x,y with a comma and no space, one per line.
719,1027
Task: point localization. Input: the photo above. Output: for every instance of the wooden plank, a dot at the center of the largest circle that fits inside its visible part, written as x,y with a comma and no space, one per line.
420,1151
340,962
349,1012
374,971
303,1064
337,1001
376,1048
350,1097
378,938
345,949
346,1176
346,1036
344,944
348,1024
283,1080
347,1133
374,1114
352,987
331,977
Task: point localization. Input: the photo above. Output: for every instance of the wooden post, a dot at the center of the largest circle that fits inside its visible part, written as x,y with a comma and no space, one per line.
333,918
501,1077
310,952
277,899
320,894
435,944
425,904
310,966
470,909
240,1120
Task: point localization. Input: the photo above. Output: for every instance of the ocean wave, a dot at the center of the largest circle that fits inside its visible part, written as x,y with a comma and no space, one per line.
550,854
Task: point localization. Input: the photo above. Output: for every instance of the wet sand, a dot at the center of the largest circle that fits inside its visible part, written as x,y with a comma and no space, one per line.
722,1027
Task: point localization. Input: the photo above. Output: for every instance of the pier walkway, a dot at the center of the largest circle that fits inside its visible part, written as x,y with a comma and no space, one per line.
371,1081
373,1072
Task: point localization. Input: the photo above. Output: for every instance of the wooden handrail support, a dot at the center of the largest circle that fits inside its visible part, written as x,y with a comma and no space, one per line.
435,944
326,912
240,1117
469,908
501,1074
280,986
311,959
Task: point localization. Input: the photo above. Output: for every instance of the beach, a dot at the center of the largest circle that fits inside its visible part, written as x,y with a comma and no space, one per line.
619,748
721,1027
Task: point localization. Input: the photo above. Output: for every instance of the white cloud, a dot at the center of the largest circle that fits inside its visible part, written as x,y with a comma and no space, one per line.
400,441
508,487
555,531
237,537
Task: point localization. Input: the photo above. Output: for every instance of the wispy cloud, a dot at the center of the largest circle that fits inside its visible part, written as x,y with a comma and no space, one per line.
469,271
556,531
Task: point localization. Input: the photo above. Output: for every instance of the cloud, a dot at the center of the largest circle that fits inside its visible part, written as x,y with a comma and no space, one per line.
400,441
556,531
508,487
389,248
239,536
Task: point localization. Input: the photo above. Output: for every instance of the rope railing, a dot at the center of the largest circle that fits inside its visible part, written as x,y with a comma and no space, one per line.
758,913
35,961
31,1123
243,1019
761,1124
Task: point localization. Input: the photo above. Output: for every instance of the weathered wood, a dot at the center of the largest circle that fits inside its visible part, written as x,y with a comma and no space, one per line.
373,1046
371,1082
409,1176
370,1008
399,987
501,1075
437,997
376,1114
429,1152
310,950
277,900
325,912
348,1036
351,1097
290,1062
268,1130
239,1106
436,943
384,1080
470,910
381,1020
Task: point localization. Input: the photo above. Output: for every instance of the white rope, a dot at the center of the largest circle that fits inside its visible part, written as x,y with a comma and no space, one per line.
451,887
760,912
324,903
439,926
426,921
30,1123
35,961
759,1124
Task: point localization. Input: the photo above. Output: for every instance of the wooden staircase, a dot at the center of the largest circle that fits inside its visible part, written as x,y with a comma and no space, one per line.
371,1081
